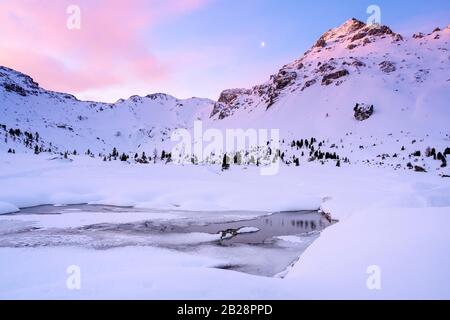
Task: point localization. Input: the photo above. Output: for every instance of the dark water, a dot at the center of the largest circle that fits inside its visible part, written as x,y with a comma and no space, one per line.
275,225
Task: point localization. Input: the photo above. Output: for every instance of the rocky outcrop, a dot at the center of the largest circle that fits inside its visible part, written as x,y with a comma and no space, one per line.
419,169
321,43
354,33
280,81
229,96
309,83
328,79
371,31
11,87
363,111
228,101
349,27
284,78
387,66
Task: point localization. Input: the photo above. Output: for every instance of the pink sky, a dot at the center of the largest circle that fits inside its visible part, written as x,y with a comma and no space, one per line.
107,52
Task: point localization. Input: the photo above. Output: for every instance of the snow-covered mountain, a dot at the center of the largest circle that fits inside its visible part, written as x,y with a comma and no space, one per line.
363,88
407,80
59,118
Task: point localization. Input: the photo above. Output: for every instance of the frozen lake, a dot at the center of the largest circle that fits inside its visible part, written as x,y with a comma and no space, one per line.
250,242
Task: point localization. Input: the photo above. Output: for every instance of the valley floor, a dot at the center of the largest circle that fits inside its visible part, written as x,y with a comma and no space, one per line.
393,227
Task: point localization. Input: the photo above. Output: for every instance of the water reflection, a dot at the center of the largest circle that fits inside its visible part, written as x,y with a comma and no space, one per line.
278,224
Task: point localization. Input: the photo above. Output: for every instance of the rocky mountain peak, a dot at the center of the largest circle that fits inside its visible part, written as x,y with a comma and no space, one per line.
352,50
353,33
348,27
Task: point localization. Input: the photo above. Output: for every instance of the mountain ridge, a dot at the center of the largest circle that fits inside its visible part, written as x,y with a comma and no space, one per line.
383,85
343,42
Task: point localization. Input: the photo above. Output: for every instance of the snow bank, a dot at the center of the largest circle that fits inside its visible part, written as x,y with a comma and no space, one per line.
7,208
248,230
408,246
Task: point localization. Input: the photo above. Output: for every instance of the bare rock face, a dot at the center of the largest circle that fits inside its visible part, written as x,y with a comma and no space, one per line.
280,81
355,63
228,96
326,67
12,87
309,83
419,169
387,66
228,101
355,25
348,28
284,78
328,79
363,111
374,30
355,33
321,43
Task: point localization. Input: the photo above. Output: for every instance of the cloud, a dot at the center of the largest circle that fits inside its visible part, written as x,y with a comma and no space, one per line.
108,50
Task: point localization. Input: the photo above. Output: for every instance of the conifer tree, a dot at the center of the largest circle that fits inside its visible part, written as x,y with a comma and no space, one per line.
225,162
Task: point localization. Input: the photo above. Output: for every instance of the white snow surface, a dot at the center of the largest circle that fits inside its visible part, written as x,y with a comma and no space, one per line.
7,208
395,220
248,230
